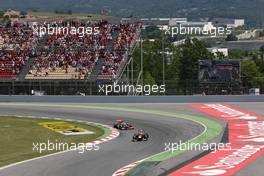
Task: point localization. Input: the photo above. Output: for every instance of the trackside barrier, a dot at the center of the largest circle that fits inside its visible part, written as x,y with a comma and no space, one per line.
246,135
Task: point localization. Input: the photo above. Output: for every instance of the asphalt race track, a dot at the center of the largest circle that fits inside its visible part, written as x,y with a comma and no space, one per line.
120,151
113,154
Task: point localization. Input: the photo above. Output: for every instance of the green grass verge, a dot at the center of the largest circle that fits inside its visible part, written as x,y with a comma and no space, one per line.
17,135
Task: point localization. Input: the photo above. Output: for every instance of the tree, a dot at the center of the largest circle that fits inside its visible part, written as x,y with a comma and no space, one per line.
151,32
237,54
262,52
251,74
231,37
192,51
262,49
2,14
5,20
220,55
261,34
148,79
249,69
23,13
172,71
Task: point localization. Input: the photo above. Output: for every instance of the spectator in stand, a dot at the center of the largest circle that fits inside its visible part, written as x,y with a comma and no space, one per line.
18,44
127,34
62,51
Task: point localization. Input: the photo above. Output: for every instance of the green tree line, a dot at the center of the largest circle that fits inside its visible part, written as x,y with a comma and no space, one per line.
181,62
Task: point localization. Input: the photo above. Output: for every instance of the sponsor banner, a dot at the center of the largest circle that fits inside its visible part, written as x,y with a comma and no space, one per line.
246,132
226,112
222,162
65,128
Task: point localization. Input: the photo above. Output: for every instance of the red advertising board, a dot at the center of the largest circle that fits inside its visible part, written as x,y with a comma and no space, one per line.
246,132
222,162
226,112
246,138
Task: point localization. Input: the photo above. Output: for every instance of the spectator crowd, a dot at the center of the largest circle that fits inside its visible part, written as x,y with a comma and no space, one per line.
60,52
17,44
114,59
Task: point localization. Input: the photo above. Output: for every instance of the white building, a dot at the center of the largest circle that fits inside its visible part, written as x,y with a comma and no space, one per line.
205,26
238,22
162,23
229,22
179,42
208,26
216,50
175,21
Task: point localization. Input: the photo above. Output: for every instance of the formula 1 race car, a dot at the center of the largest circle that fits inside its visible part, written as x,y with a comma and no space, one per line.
140,136
121,125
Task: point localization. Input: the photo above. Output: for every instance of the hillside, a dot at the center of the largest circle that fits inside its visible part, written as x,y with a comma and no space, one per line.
251,10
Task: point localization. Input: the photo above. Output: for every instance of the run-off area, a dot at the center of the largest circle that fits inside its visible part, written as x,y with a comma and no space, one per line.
25,138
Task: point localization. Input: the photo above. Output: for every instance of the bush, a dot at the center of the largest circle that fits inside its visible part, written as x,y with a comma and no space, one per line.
231,37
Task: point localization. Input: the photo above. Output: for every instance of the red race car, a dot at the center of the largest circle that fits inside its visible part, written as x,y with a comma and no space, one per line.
121,125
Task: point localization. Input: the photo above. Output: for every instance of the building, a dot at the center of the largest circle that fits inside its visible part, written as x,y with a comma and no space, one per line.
179,42
175,21
216,50
203,26
246,45
11,14
229,22
162,23
166,23
237,23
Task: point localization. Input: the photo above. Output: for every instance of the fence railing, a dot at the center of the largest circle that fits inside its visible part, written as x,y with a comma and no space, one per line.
87,87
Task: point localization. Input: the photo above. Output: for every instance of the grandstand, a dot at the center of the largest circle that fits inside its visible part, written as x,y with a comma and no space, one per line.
1,42
115,60
17,46
28,56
